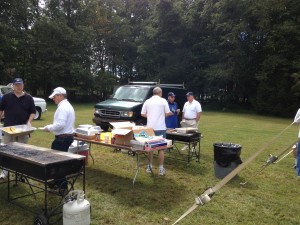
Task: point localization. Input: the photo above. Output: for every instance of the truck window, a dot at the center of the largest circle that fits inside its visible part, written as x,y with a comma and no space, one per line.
126,93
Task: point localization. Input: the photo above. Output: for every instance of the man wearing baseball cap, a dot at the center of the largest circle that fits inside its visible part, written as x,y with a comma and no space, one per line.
191,113
19,109
63,129
172,121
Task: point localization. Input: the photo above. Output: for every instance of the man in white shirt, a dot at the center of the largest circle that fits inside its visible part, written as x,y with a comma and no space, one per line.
156,109
62,127
191,113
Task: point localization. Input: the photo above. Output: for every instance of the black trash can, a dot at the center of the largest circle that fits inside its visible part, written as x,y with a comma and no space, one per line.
226,158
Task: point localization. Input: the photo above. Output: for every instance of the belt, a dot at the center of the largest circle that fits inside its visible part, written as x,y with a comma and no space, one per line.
190,119
64,135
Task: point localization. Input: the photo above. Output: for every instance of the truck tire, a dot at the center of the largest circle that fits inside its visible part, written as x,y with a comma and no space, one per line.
38,113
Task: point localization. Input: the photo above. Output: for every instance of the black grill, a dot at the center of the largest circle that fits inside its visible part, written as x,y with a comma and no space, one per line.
109,113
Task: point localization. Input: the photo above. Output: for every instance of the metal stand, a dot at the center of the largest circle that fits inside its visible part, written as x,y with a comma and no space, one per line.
192,152
38,186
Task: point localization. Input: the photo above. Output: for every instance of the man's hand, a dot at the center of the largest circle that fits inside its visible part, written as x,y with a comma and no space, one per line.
45,128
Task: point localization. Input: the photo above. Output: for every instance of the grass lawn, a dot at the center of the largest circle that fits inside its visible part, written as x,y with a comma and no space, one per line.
271,197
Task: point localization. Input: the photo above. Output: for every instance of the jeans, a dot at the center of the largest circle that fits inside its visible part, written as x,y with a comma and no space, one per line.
161,133
62,144
298,160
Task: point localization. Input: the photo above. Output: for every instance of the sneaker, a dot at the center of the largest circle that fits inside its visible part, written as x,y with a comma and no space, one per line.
162,172
149,169
185,147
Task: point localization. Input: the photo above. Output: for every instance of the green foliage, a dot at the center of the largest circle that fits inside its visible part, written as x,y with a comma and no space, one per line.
240,47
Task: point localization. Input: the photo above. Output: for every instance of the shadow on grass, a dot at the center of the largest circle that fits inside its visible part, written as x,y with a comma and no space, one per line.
152,194
179,162
26,205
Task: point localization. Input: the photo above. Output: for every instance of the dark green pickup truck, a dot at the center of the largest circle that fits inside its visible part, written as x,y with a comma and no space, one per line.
125,104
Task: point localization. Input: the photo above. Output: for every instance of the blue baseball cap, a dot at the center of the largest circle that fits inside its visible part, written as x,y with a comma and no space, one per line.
171,94
18,81
190,94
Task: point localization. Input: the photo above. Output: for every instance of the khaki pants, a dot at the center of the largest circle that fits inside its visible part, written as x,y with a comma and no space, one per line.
189,123
8,138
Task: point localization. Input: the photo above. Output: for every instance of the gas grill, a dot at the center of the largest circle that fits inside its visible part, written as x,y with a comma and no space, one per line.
191,139
37,167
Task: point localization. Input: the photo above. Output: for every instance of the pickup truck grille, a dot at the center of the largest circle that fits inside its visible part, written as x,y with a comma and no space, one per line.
109,113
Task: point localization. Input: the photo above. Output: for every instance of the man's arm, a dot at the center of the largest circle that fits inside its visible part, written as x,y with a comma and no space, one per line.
31,117
169,114
198,117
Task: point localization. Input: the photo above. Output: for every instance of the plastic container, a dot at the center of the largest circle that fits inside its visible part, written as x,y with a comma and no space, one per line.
81,148
102,136
136,145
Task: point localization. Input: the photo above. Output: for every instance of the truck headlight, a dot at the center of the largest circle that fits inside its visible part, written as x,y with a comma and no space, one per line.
127,114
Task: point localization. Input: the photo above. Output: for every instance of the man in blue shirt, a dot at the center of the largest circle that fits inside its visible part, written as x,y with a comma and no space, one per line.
172,121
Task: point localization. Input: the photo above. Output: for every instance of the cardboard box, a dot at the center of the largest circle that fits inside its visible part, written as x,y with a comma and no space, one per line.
122,136
122,132
146,135
155,144
142,134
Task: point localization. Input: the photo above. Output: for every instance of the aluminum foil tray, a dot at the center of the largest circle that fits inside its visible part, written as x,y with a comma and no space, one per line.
186,130
18,129
88,130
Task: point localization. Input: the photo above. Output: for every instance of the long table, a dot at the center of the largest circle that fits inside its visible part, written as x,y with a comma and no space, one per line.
131,151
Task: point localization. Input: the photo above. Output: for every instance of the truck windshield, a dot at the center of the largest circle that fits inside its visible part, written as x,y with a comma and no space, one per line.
137,94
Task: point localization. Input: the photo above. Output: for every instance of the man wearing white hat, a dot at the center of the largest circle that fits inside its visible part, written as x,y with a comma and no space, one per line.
62,127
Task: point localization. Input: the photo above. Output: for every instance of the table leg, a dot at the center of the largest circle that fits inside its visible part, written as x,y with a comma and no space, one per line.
90,153
8,185
198,156
190,154
137,167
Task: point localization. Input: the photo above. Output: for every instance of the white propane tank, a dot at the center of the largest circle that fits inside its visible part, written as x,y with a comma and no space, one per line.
76,211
